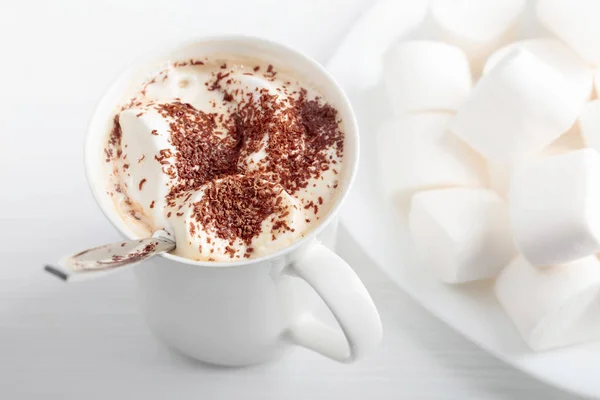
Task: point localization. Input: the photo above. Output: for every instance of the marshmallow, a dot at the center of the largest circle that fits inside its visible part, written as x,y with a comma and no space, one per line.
477,26
193,240
516,110
424,75
499,175
597,81
199,242
145,134
241,85
555,208
463,233
499,178
575,23
417,152
369,39
589,122
185,84
569,141
557,55
252,156
552,306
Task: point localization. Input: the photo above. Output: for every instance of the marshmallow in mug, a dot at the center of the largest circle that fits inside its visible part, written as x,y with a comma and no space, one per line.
417,152
575,23
516,110
195,240
477,26
555,208
556,54
422,75
145,134
552,306
462,233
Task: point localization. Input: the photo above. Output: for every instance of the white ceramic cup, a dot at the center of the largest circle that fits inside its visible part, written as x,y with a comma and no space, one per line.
247,312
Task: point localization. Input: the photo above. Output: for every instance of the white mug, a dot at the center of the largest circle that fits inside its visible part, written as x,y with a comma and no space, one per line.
247,312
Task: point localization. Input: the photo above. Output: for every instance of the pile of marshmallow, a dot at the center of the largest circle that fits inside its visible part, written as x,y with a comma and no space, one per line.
501,177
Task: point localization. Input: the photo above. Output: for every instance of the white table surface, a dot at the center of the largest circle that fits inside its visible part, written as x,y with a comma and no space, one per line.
87,341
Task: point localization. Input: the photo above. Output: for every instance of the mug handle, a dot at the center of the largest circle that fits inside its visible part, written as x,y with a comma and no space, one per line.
347,298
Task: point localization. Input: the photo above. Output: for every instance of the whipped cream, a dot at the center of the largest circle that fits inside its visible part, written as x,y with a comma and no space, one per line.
232,157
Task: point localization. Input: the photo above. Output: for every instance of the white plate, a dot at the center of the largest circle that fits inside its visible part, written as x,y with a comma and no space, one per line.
471,310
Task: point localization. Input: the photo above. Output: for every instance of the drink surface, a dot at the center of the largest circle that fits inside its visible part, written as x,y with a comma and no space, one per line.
234,157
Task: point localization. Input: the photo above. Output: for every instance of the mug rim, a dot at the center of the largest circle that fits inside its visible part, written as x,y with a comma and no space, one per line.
351,127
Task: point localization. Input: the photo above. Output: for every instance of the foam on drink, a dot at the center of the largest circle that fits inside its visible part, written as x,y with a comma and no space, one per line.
235,158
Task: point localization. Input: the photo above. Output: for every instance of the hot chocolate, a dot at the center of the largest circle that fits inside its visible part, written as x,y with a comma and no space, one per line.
234,157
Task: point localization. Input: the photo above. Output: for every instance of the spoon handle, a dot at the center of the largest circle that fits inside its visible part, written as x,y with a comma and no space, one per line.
99,260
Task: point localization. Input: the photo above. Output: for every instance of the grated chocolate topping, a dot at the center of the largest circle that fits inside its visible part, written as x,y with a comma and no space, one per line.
298,136
236,206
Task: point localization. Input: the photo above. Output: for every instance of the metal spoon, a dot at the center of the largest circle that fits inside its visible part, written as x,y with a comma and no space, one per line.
101,260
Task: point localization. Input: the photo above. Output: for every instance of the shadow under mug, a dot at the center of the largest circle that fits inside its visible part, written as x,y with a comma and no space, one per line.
247,312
